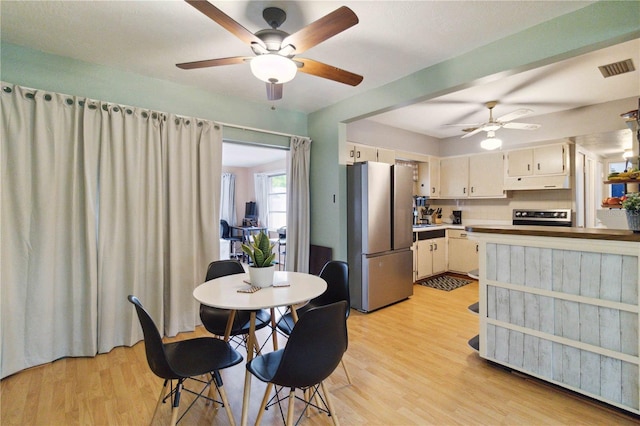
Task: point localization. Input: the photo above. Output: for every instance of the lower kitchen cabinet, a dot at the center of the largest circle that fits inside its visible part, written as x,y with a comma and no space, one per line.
463,252
431,257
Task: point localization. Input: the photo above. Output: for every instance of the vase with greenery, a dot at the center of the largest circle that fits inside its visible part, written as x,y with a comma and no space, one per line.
260,251
631,204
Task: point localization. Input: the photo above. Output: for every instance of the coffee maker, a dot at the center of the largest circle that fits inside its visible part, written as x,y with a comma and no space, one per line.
457,217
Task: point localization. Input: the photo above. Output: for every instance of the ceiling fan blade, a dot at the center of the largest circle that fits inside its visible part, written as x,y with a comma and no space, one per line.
515,114
478,130
225,21
274,91
322,29
309,66
465,125
213,62
521,126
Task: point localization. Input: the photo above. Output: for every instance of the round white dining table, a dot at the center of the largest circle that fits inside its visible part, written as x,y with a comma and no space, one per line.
289,289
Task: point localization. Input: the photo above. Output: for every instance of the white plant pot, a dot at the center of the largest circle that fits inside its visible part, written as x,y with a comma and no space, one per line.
261,277
633,220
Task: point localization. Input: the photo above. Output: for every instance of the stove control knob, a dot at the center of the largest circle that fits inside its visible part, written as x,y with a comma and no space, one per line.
556,214
524,213
517,214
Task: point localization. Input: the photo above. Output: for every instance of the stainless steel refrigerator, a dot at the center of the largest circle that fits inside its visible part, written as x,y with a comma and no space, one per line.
380,213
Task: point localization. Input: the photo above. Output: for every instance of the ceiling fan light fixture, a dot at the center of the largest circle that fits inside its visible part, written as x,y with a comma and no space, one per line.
491,142
273,68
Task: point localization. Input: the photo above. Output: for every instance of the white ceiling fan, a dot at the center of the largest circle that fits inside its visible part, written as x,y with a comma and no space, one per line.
494,124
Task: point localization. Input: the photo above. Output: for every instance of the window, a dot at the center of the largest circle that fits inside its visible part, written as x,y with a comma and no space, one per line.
277,188
617,189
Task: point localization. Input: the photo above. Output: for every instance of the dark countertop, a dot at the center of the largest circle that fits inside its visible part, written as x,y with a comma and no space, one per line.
558,232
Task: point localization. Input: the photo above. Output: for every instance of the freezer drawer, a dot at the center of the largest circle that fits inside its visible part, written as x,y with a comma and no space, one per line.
386,279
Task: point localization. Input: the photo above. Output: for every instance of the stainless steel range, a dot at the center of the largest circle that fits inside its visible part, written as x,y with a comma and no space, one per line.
559,217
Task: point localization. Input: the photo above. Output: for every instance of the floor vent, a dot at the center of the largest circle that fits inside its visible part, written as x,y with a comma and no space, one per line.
617,68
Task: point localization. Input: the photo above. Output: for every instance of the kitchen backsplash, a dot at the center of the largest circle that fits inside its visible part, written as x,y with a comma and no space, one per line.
499,211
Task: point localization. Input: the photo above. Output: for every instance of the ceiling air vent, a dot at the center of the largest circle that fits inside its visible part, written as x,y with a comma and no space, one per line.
616,68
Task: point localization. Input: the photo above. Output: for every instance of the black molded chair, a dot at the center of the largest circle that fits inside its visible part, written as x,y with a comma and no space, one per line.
336,274
225,234
313,351
186,359
215,319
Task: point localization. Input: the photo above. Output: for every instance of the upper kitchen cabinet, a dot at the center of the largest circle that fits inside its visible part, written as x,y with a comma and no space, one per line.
429,178
544,167
454,177
486,175
361,153
476,176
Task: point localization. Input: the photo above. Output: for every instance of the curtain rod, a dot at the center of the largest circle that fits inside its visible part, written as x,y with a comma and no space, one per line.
253,129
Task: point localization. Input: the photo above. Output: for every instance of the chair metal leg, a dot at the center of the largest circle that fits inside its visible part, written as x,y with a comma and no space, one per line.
263,404
332,411
292,398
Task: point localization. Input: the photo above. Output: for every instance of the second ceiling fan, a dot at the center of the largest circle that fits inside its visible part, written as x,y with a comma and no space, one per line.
275,51
504,121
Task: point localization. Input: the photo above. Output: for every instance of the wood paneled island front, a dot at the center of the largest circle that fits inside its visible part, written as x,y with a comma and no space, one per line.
561,304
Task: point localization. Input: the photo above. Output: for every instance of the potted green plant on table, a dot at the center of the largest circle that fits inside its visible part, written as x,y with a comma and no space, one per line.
260,251
631,204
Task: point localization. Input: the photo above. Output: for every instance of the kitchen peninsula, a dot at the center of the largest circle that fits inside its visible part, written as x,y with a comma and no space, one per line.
561,304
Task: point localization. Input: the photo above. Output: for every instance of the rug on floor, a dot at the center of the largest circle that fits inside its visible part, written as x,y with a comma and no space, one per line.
444,282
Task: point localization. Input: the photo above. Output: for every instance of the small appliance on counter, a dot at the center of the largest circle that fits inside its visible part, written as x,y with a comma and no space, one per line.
457,217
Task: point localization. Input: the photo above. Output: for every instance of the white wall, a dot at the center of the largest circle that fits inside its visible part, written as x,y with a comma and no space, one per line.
371,133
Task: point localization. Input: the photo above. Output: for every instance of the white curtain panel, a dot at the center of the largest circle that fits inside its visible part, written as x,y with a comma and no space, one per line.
193,167
47,221
298,215
130,218
99,201
261,185
228,198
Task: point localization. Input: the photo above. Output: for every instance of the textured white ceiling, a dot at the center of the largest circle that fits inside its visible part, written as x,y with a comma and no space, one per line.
393,39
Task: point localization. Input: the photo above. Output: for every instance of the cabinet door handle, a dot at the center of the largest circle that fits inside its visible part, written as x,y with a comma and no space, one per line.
463,235
464,190
476,248
351,154
433,190
435,246
528,167
430,247
358,154
538,166
472,190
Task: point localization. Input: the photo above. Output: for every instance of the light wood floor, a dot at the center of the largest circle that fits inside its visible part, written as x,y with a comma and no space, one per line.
410,364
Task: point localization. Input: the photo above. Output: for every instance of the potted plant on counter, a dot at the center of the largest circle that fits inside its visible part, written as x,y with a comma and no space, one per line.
631,204
260,251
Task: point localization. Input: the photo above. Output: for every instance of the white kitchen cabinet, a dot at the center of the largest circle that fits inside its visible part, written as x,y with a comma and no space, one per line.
454,177
544,167
486,175
431,257
463,252
361,153
429,178
386,156
544,160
